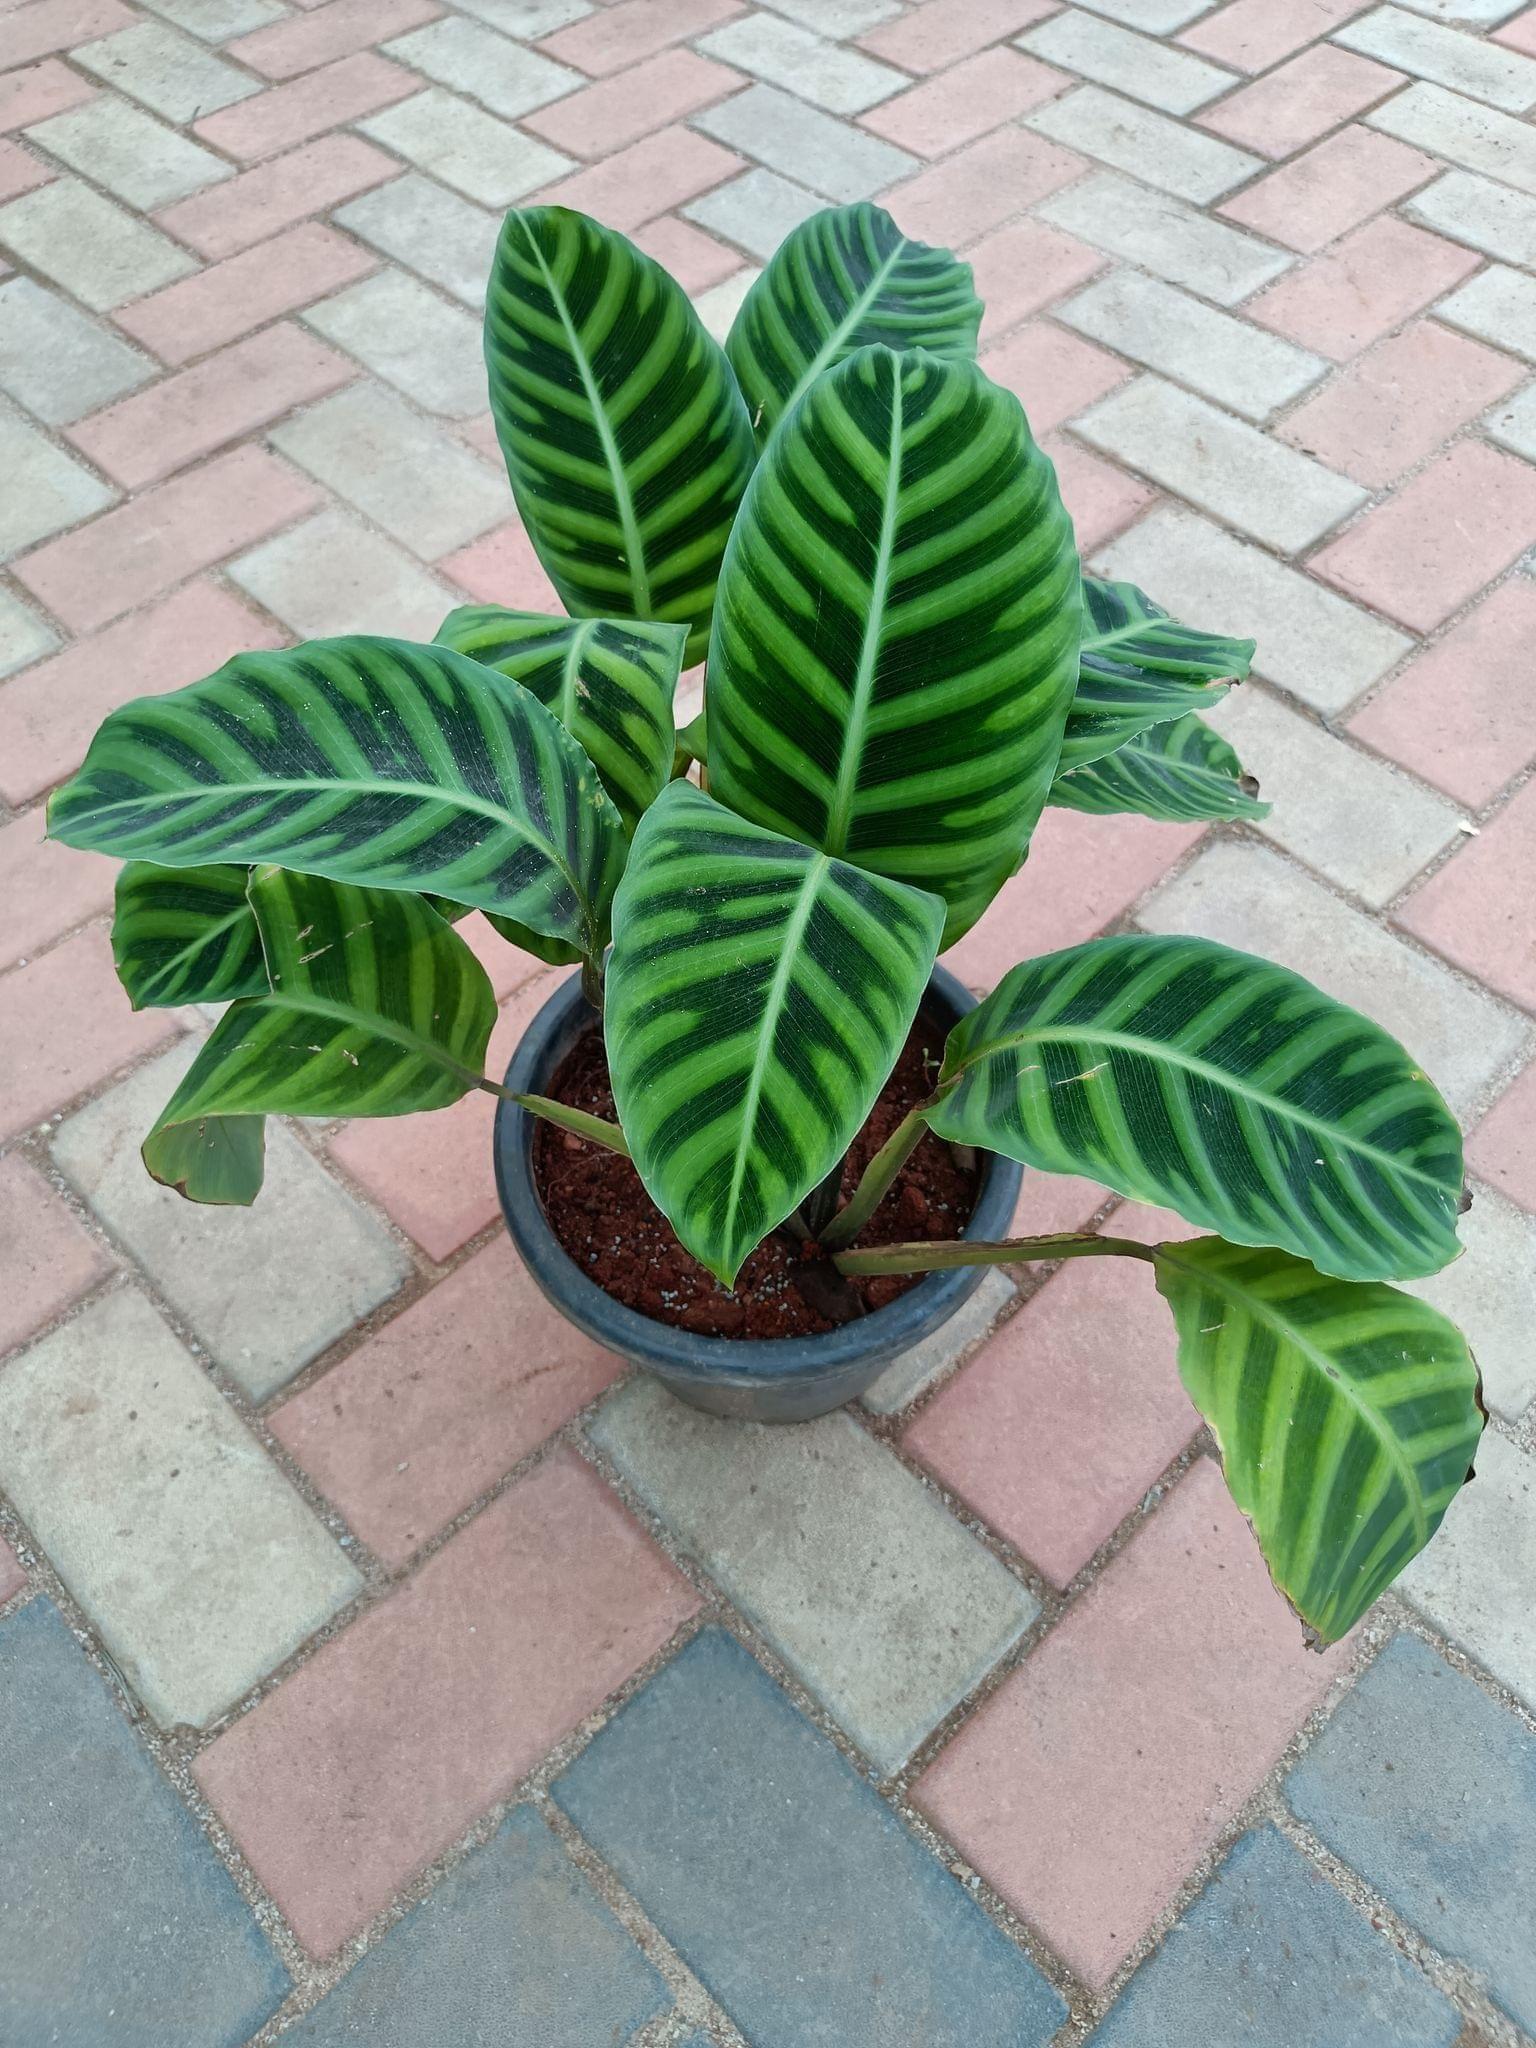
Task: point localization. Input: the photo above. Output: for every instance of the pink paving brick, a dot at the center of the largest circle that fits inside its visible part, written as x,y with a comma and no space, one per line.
20,171
432,1172
406,1431
1250,35
502,568
45,887
12,1577
394,1737
602,118
1055,1431
1055,375
941,32
1102,499
1104,1767
1332,188
1340,302
1290,107
959,200
49,712
228,299
47,1259
1502,1150
243,387
1520,34
1397,405
39,90
312,105
1082,873
695,259
261,202
480,434
288,47
65,1026
49,25
1021,268
1477,909
166,535
648,178
1463,713
1049,1202
958,105
1440,539
613,38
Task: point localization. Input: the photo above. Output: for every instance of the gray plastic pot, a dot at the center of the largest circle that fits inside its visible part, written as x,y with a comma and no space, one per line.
765,1379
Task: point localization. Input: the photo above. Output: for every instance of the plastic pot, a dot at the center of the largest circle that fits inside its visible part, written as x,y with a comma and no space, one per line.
764,1379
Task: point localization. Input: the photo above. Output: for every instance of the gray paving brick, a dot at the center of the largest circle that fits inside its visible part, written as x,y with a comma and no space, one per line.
1463,132
838,17
1313,643
1475,1579
1157,17
23,636
185,1545
528,18
1174,81
1162,234
1512,423
92,248
215,21
333,575
1498,305
1231,361
121,1927
1248,897
1220,463
137,158
45,490
216,1265
410,337
1447,56
1476,13
1481,213
920,1367
1490,1292
1148,145
430,230
880,1603
57,362
472,59
841,162
784,53
1358,822
165,71
462,145
756,210
718,307
1428,1788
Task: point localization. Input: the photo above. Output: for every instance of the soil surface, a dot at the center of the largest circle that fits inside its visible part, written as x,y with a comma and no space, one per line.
613,1230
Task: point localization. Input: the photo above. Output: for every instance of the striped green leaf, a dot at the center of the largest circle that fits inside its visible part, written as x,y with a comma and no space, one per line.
625,436
608,681
1181,770
185,935
1138,668
215,1159
1346,1414
895,642
844,280
1231,1090
371,761
758,995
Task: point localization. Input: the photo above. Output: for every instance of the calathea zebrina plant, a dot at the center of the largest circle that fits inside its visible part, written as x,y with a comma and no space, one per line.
904,666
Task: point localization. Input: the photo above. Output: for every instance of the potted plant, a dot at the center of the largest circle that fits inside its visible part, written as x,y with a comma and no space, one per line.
766,1108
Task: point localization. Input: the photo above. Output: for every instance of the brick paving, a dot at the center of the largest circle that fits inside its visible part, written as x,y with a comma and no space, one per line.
377,1660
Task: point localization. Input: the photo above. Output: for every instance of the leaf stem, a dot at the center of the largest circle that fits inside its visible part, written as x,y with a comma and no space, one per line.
941,1256
877,1177
596,1128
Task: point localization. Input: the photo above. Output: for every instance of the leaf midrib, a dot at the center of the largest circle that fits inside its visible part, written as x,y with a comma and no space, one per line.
844,328
369,1020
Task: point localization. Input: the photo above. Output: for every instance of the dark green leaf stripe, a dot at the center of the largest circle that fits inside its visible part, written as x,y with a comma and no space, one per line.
1347,1416
376,1008
371,761
185,935
1181,770
1139,667
844,280
625,436
895,641
609,682
1231,1090
758,995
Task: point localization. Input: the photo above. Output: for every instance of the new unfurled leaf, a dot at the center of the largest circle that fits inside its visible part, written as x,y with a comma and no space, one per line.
1182,1073
895,640
1181,770
1138,667
758,995
1346,1414
185,935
